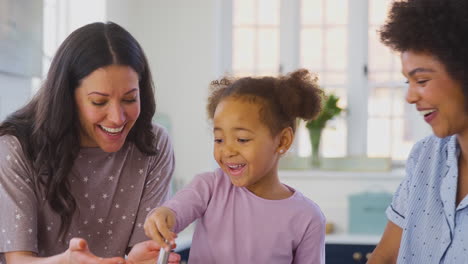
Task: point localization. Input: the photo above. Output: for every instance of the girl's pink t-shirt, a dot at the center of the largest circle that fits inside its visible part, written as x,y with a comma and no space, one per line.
236,226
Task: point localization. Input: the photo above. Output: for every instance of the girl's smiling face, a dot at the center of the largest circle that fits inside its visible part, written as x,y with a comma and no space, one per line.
108,105
438,97
244,146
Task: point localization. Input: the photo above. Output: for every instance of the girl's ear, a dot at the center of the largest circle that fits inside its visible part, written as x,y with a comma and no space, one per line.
286,138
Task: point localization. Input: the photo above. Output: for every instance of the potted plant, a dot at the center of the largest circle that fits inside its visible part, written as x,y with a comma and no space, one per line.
330,109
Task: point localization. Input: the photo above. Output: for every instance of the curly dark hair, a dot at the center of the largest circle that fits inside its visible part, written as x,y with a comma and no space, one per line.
438,27
48,126
283,99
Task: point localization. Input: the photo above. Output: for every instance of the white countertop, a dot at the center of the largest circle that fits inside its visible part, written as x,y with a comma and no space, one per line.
352,239
397,173
184,239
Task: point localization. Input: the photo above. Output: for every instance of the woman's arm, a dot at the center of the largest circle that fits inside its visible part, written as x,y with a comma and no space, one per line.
18,257
77,253
388,247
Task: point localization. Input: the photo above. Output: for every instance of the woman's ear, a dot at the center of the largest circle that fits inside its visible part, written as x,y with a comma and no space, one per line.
286,138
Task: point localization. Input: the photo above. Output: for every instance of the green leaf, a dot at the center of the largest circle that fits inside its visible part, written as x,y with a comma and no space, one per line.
330,109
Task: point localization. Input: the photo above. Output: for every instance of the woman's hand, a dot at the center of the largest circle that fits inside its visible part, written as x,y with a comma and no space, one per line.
147,253
158,227
79,253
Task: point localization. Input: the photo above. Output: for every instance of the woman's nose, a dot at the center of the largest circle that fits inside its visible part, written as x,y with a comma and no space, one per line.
116,114
412,95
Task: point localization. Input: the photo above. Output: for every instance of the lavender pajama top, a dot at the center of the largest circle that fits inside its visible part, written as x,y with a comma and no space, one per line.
113,191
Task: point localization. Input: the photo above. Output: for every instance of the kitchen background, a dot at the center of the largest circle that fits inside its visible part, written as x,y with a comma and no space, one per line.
189,43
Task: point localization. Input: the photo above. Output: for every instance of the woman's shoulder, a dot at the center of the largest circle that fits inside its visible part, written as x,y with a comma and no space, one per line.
162,141
12,154
159,131
10,143
431,146
162,138
429,157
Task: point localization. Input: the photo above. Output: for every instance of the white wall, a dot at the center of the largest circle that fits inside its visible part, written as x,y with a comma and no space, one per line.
20,54
16,91
331,189
179,39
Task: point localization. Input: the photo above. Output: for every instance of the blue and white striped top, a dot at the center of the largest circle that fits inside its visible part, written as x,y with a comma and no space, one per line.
435,230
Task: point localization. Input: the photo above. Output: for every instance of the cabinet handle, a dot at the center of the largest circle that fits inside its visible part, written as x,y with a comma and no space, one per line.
357,256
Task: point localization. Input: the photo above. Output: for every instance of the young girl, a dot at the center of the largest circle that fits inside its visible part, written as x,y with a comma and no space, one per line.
246,215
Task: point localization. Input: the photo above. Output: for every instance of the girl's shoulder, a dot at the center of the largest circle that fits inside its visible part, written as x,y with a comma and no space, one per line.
306,206
215,177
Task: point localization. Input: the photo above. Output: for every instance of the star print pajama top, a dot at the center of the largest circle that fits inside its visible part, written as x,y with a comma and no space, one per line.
113,191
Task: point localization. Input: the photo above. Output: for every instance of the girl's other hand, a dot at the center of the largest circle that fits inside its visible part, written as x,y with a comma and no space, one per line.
147,252
158,227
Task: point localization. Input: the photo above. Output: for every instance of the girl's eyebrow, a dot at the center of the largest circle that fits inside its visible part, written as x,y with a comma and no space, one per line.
242,129
104,94
235,128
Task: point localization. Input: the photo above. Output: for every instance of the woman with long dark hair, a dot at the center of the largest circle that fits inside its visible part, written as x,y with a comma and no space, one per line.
81,163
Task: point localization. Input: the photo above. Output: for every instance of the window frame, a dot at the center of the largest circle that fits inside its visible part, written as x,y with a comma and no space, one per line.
357,112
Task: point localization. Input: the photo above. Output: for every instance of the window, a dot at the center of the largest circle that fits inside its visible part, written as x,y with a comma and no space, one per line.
61,17
323,48
255,34
387,127
342,46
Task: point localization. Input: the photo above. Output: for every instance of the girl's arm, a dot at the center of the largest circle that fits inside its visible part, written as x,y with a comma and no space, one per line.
312,247
192,201
77,253
158,226
388,247
164,222
147,252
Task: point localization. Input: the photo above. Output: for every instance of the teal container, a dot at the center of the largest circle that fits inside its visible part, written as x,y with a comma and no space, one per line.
367,212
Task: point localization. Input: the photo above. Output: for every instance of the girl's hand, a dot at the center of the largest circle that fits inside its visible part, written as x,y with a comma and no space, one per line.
158,227
79,253
147,253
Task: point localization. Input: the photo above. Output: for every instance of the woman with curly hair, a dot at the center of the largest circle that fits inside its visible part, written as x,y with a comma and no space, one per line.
81,163
427,217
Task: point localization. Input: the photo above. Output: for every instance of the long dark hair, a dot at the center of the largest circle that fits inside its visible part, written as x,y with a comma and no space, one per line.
48,126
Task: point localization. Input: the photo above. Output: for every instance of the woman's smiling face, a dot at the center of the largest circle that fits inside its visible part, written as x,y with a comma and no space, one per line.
108,104
438,97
